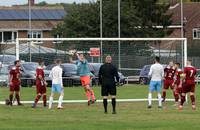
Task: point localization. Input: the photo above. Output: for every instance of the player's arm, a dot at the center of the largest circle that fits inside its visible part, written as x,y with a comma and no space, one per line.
150,72
100,75
116,74
60,76
10,77
71,60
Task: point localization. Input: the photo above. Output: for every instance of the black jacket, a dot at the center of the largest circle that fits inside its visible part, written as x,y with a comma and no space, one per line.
107,74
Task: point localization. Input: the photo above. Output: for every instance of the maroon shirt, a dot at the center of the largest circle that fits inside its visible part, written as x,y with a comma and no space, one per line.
39,71
169,73
190,74
15,73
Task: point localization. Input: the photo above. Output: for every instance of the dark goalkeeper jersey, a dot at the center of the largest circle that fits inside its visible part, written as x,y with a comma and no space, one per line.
107,74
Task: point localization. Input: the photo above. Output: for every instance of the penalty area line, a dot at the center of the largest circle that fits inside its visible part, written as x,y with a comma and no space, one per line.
85,101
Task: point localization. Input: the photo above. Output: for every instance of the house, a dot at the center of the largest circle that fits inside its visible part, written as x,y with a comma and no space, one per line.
15,22
191,15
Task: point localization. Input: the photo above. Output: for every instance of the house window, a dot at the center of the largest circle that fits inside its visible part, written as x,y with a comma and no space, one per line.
8,36
35,34
196,33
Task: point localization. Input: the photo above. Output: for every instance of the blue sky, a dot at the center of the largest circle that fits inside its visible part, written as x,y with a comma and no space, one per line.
16,2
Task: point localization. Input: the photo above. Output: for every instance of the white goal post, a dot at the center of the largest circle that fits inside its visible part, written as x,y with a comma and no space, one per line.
183,42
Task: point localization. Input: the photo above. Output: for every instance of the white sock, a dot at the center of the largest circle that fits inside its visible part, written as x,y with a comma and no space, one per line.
50,102
150,99
159,100
60,101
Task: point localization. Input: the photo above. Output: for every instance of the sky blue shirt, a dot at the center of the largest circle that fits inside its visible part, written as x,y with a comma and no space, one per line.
83,68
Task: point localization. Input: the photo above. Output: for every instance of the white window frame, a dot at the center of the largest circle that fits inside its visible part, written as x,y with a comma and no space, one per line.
37,32
197,30
13,40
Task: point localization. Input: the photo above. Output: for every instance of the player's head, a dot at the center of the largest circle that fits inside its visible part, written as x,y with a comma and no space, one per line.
171,63
177,65
157,59
58,61
17,63
189,62
41,62
108,59
81,56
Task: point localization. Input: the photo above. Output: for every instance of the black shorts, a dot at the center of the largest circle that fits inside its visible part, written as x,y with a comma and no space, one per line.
108,90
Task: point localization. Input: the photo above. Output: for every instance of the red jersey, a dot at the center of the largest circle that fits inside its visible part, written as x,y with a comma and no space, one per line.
39,71
190,74
15,73
178,76
169,73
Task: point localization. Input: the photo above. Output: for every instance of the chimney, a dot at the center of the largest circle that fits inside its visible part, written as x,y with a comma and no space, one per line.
32,2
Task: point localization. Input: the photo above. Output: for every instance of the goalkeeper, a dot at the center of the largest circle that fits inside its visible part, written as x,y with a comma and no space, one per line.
107,75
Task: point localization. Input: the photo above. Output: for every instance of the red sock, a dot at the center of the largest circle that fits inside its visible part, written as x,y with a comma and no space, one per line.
44,100
18,98
37,98
11,97
192,97
176,97
92,94
88,95
182,100
163,94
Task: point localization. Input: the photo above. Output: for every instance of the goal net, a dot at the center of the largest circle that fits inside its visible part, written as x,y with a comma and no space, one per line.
130,55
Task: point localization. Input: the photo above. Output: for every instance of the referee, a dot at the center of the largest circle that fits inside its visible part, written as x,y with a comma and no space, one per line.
107,75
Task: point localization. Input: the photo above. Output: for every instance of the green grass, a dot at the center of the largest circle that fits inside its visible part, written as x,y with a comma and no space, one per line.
130,116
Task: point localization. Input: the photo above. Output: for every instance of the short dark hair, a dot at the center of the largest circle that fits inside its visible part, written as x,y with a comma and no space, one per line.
17,61
178,64
40,61
157,59
58,61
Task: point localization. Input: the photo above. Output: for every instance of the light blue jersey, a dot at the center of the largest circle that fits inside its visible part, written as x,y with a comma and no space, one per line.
83,68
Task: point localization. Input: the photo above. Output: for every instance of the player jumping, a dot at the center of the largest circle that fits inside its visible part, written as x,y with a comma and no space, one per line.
14,80
84,73
178,82
189,84
169,79
40,85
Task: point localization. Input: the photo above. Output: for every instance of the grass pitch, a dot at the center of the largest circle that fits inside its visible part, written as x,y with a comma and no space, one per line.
78,116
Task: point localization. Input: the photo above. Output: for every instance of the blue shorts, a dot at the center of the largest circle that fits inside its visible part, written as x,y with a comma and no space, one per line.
56,88
155,86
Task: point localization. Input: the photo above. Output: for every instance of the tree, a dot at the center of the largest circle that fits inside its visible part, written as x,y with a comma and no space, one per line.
139,18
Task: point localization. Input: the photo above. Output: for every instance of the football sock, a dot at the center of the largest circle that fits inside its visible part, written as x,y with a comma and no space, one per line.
18,98
92,94
11,97
114,104
44,100
149,99
60,101
159,100
37,98
50,102
176,97
105,104
192,97
88,95
182,100
163,94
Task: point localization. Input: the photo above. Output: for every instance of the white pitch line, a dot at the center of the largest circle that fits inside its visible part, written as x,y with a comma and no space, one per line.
85,101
